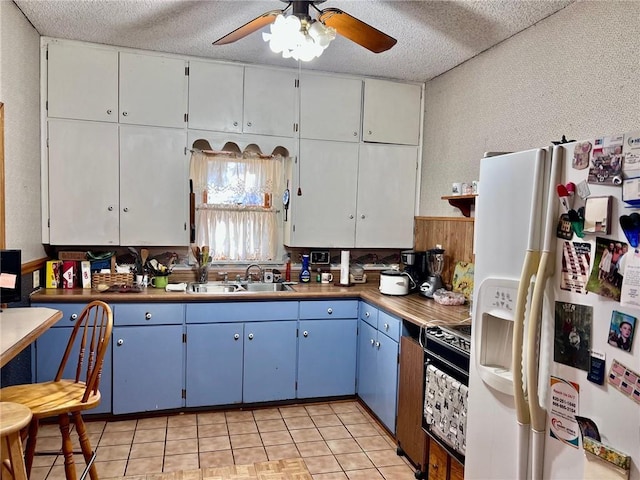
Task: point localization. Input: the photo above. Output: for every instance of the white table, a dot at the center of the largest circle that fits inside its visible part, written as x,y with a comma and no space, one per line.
19,327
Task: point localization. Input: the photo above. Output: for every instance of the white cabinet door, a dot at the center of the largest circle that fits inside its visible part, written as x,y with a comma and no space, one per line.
330,107
153,186
269,101
83,182
323,216
386,196
391,112
153,90
215,96
82,82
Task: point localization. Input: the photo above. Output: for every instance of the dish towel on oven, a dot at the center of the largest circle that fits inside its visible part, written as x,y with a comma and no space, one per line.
445,408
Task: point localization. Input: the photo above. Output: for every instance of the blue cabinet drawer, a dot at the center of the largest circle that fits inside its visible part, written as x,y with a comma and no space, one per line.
70,312
148,314
369,314
389,325
319,309
241,312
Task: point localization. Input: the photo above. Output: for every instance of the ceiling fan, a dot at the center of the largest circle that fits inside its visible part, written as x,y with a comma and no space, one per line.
321,30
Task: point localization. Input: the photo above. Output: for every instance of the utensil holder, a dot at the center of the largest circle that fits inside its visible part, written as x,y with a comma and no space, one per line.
203,273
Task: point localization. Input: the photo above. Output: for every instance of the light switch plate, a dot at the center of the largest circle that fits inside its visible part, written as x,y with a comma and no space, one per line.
36,278
320,257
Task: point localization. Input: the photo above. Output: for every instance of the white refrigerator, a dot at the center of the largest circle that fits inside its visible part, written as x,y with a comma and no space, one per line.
541,323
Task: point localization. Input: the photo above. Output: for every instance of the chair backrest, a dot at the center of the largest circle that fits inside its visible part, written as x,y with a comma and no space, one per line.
91,335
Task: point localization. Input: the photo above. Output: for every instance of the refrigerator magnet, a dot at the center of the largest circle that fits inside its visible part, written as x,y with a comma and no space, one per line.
596,367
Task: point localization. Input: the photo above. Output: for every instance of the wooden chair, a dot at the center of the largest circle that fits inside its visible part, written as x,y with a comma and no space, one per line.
13,418
67,398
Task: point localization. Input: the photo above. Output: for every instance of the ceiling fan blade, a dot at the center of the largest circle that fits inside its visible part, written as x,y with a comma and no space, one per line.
249,27
356,30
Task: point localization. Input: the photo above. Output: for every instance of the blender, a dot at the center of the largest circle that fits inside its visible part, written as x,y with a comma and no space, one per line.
433,281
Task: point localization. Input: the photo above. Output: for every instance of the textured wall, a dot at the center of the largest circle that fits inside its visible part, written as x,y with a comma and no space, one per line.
575,73
20,93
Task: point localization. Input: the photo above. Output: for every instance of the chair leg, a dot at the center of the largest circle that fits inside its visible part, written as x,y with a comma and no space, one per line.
85,444
31,444
12,460
67,447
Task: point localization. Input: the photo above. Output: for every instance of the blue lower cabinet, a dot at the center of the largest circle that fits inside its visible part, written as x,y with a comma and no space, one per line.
269,361
214,364
148,357
327,358
378,366
50,347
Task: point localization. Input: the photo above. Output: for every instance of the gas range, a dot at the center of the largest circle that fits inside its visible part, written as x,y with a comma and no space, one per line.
457,337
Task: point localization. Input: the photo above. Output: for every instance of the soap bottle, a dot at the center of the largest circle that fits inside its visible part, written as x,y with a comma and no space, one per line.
305,274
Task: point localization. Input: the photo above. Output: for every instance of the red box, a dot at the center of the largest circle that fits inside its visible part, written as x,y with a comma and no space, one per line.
69,272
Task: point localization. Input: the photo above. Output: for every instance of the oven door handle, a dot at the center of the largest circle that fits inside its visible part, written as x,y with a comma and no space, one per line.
447,363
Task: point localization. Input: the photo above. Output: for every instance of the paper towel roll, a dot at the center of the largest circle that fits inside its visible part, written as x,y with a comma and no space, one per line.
344,267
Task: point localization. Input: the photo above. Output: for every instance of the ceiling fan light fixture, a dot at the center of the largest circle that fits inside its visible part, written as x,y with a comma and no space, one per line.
300,40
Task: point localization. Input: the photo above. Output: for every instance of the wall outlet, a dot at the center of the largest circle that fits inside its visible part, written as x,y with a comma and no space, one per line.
36,279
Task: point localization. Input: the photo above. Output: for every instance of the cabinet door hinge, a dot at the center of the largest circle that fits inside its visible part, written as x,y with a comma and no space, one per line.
186,71
46,105
186,117
398,359
293,228
296,83
296,386
184,393
185,226
46,54
295,127
297,333
184,338
48,222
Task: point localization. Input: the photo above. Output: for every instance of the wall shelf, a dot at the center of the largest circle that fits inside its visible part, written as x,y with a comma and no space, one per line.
463,202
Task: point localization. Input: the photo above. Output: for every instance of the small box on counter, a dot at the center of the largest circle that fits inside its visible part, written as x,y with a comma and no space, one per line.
69,272
53,273
85,274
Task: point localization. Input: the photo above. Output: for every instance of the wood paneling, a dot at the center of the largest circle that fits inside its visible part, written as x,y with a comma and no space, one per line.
455,234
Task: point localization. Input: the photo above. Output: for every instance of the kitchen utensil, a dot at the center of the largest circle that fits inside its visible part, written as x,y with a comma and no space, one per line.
144,255
394,282
285,201
192,212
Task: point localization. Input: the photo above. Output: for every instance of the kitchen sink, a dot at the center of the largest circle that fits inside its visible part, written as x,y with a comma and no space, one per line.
237,287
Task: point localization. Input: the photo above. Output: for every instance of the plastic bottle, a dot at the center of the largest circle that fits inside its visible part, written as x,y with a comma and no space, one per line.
305,274
318,276
287,271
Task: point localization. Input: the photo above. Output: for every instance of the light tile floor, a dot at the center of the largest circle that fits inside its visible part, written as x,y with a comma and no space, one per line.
336,440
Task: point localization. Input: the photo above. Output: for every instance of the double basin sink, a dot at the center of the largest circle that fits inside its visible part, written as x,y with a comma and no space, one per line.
237,287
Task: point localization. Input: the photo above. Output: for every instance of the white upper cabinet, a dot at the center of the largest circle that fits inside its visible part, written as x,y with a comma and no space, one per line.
324,215
82,82
386,196
153,90
83,183
153,186
330,107
391,112
215,96
269,101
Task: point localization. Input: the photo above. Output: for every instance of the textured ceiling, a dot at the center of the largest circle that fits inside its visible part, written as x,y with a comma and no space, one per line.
433,35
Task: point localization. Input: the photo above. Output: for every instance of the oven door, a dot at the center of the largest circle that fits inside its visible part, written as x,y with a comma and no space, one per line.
445,408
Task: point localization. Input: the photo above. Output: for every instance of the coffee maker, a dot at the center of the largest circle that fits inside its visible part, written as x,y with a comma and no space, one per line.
415,265
433,281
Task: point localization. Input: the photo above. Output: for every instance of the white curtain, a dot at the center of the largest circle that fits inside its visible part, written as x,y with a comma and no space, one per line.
238,221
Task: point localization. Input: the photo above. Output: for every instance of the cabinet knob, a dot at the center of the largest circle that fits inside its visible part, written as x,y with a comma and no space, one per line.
367,314
125,209
351,217
378,345
372,342
435,466
248,124
74,316
235,124
355,134
147,316
386,326
329,311
110,208
370,132
120,342
250,336
305,334
109,111
124,114
362,217
236,336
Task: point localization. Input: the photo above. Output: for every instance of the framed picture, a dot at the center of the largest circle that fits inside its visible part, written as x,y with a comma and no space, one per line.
621,330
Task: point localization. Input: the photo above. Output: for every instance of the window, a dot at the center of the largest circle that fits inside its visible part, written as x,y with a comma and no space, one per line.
235,213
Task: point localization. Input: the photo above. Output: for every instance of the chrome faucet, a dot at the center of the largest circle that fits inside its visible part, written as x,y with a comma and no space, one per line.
247,273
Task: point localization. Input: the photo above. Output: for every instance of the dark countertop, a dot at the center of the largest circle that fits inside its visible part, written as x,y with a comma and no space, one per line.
414,308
